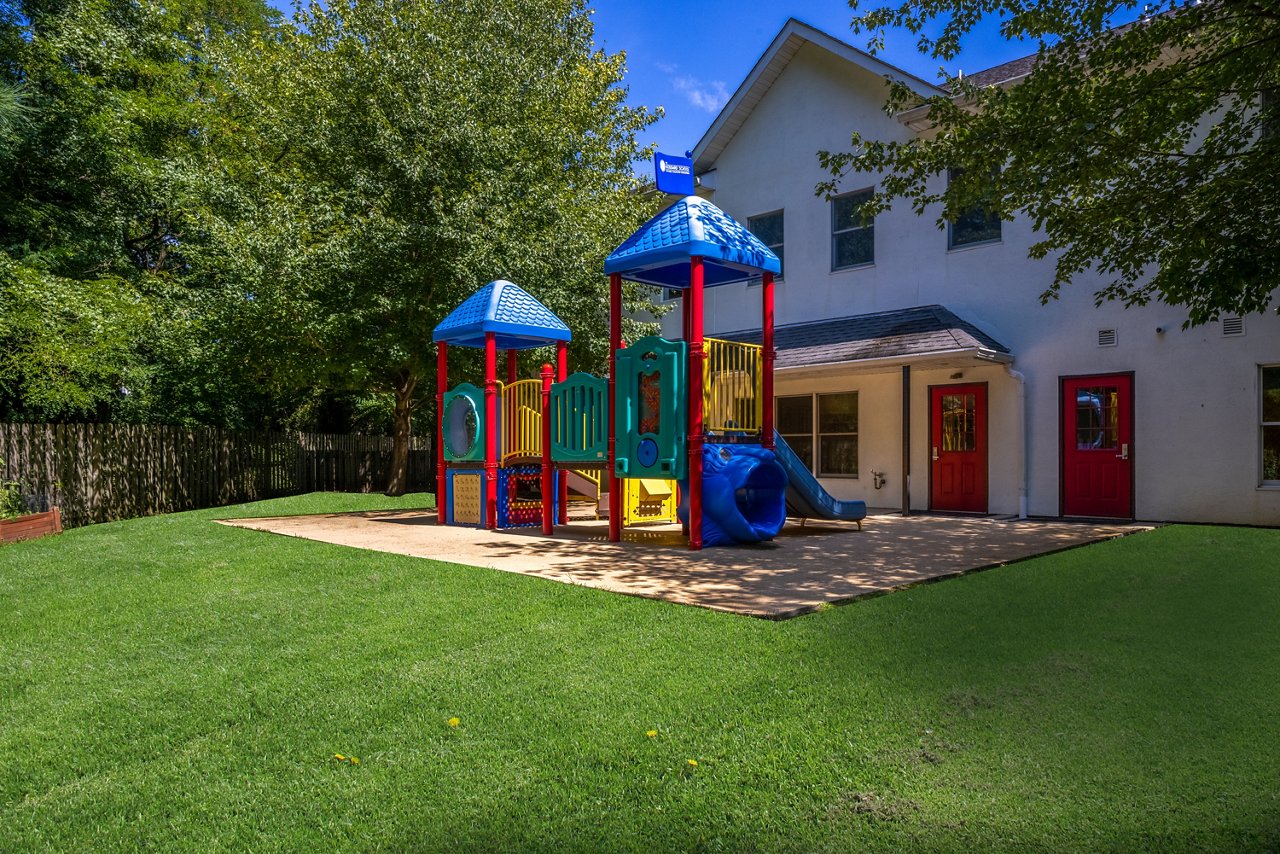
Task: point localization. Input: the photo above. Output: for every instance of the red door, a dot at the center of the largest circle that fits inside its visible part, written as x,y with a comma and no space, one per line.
1097,446
958,448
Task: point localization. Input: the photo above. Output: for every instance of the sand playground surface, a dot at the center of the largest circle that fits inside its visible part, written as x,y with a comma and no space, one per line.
806,566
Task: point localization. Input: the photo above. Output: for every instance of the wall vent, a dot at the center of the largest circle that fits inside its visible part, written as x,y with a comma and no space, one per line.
1232,326
1106,338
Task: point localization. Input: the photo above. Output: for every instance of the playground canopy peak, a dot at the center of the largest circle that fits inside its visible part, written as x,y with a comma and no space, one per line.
517,319
659,252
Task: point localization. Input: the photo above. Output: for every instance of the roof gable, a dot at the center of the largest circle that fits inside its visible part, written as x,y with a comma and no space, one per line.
793,36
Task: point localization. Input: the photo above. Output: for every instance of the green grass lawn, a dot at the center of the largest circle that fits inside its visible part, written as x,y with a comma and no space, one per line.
173,683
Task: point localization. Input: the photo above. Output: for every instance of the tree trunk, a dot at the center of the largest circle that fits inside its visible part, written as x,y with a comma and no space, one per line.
398,474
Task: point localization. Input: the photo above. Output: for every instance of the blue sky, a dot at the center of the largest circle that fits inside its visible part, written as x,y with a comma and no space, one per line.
689,57
693,68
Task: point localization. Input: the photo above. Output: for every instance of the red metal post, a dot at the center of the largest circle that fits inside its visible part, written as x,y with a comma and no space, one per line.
686,317
562,373
511,366
490,431
442,481
615,341
696,438
768,355
548,473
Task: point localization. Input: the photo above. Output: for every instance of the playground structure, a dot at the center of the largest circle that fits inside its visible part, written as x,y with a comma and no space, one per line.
500,463
509,452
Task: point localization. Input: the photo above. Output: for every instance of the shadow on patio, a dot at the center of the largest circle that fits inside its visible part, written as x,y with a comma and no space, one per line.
805,567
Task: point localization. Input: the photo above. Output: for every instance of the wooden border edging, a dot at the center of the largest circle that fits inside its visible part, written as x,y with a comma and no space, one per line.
31,527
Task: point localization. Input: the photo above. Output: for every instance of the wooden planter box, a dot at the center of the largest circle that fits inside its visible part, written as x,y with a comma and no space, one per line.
30,527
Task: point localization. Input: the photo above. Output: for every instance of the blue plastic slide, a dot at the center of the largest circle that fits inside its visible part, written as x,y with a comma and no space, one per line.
743,495
805,496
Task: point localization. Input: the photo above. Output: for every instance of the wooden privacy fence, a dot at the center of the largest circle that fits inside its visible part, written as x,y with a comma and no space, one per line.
104,472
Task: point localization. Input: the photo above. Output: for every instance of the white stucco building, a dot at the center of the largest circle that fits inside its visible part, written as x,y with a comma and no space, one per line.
918,366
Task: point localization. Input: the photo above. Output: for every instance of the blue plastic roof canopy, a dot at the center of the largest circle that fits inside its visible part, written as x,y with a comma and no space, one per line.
517,319
659,252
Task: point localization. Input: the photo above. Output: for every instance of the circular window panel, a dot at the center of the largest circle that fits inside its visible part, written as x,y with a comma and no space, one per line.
461,427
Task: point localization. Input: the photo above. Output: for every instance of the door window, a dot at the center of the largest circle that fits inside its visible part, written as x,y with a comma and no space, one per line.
959,422
1097,418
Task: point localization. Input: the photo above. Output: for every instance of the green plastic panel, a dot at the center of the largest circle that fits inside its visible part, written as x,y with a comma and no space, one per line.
652,409
464,423
580,419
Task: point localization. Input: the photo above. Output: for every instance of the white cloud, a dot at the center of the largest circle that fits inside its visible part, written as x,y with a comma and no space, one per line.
710,96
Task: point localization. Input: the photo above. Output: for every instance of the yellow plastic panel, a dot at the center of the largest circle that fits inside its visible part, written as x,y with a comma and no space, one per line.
466,498
648,500
731,377
522,411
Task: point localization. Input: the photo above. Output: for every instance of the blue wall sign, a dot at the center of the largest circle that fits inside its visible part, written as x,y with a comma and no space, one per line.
673,174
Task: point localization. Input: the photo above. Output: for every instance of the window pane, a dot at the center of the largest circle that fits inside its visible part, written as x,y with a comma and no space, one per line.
768,228
839,455
975,226
1271,394
958,422
795,415
803,446
1097,418
854,247
838,413
1271,452
845,210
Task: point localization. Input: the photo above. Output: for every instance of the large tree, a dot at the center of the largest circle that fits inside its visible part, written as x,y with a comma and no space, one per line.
97,186
382,160
1145,153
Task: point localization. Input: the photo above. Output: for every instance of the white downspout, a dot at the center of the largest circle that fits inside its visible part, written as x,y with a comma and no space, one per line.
1022,439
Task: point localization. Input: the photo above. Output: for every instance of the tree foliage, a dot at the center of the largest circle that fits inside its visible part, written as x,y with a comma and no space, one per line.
382,160
1146,153
212,215
96,196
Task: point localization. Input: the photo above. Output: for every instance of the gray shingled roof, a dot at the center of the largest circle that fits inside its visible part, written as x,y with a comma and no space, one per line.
926,329
1025,64
1000,73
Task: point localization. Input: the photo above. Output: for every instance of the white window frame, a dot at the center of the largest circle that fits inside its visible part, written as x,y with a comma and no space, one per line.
951,236
816,434
835,233
1263,480
782,212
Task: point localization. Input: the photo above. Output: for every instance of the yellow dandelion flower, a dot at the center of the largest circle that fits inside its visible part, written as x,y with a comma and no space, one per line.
339,757
693,763
653,733
454,722
355,760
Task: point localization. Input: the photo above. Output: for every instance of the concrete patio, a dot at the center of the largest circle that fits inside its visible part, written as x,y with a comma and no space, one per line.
807,566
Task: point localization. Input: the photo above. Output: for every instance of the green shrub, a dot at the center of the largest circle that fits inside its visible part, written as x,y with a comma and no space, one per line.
11,503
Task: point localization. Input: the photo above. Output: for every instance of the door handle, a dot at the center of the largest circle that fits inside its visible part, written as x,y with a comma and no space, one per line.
1124,452
935,453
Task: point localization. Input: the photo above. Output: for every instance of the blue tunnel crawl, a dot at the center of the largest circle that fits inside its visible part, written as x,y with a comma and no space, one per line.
743,495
